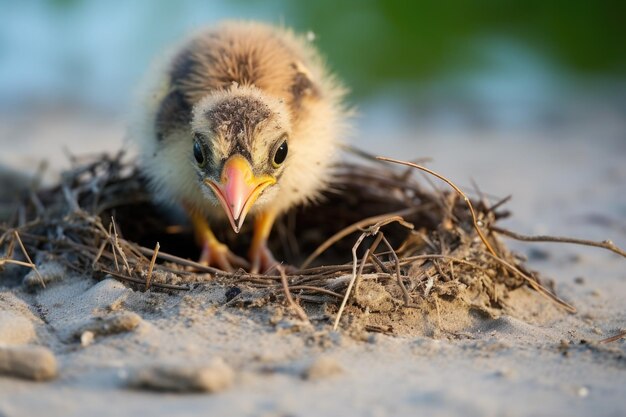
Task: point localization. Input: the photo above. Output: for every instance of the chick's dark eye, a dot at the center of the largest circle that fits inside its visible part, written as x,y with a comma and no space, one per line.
281,154
198,153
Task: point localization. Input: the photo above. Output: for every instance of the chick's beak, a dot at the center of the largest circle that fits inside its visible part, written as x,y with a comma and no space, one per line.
238,189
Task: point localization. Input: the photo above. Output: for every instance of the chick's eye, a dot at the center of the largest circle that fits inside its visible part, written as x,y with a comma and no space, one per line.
281,154
198,153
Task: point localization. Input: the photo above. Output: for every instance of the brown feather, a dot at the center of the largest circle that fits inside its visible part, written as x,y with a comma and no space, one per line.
248,56
245,87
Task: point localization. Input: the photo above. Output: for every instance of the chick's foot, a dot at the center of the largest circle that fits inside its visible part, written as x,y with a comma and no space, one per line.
218,255
261,259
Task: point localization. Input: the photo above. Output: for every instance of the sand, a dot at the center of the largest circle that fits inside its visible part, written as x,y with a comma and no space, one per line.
121,352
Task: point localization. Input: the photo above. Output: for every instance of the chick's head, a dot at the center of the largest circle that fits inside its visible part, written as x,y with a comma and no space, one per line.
240,149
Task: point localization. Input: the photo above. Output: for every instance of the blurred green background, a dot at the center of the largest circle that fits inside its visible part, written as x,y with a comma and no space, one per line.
448,62
374,43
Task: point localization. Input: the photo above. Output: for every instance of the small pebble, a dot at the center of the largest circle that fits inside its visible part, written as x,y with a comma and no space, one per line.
322,367
579,280
113,324
15,328
86,338
46,273
231,293
214,377
29,362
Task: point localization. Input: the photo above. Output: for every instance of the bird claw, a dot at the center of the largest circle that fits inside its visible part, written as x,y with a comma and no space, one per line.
262,259
218,255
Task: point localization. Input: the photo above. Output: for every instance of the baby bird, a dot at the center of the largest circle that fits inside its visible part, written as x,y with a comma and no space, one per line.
240,120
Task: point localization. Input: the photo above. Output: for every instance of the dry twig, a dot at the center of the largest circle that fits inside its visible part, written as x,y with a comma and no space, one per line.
457,189
151,267
614,338
30,261
371,231
605,244
294,306
353,228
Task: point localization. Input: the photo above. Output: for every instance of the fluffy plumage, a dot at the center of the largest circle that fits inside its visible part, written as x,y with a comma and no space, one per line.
240,88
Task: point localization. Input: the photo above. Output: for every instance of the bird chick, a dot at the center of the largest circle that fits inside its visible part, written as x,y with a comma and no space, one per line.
241,120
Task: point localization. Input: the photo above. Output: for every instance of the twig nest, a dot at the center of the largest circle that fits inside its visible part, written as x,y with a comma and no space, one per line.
214,377
29,362
410,245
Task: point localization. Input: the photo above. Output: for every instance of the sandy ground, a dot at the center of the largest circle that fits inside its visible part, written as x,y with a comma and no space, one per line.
566,182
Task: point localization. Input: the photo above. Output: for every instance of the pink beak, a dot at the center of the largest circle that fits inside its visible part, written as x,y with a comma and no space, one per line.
238,189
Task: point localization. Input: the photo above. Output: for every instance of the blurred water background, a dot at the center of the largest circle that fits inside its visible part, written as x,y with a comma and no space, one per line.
450,64
515,94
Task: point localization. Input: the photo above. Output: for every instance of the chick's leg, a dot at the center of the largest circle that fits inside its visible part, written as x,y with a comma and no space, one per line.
214,252
260,256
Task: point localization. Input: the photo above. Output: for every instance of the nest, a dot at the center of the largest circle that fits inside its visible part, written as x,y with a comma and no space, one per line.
383,240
